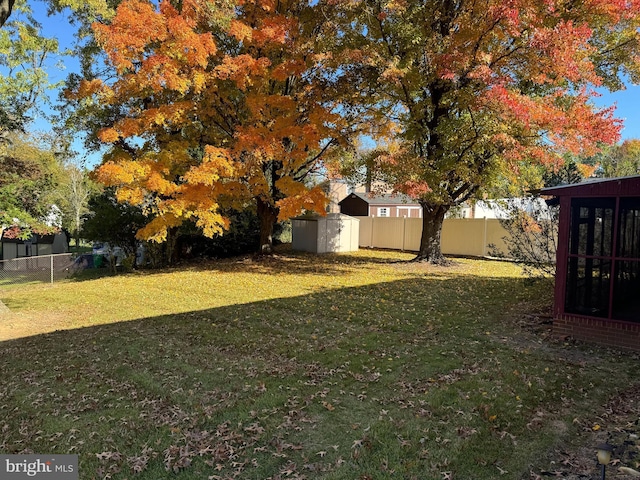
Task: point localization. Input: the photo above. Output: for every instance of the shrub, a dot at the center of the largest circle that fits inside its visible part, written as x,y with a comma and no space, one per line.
532,225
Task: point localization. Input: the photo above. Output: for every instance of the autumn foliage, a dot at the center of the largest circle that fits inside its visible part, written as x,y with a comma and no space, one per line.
236,103
475,90
212,112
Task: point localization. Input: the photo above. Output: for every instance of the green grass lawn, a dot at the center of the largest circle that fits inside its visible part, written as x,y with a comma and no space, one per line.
347,367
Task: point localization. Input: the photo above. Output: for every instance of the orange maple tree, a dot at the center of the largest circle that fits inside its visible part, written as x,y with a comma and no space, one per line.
212,106
476,89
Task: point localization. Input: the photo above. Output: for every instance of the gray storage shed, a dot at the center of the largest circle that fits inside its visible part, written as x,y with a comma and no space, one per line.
37,245
332,233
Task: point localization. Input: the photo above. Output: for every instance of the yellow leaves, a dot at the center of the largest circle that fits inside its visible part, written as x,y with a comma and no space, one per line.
157,229
155,182
587,170
263,128
288,68
397,6
121,173
313,200
216,164
108,135
158,49
240,31
240,68
134,196
162,74
273,30
132,126
174,113
220,158
199,81
186,44
290,187
87,88
184,204
135,25
393,74
211,223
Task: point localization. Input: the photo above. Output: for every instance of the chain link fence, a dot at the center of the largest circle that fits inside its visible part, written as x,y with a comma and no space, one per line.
43,268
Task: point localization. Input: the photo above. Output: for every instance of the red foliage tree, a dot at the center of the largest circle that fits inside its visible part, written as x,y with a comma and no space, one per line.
474,89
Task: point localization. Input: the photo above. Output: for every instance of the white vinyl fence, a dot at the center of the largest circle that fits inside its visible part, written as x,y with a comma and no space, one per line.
476,237
42,268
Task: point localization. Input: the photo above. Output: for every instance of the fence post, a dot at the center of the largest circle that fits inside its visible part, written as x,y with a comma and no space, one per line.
372,227
51,264
484,238
404,231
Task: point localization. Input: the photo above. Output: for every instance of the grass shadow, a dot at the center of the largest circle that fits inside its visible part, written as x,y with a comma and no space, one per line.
407,378
283,261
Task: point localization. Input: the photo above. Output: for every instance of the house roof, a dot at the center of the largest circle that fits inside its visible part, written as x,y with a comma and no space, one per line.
616,187
384,199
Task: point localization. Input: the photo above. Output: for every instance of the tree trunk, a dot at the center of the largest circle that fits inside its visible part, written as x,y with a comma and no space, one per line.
267,215
430,245
5,10
76,230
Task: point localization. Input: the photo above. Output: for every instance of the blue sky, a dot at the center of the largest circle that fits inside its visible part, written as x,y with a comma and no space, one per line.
627,108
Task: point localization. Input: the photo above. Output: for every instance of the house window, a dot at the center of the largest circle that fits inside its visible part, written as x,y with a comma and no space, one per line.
383,211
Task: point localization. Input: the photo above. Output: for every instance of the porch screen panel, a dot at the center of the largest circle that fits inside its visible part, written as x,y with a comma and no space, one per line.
590,256
626,291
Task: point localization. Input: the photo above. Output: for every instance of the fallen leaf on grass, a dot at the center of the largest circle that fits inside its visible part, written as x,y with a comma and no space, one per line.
109,456
328,406
629,471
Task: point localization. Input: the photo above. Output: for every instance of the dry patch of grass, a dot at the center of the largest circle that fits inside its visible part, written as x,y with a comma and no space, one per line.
299,366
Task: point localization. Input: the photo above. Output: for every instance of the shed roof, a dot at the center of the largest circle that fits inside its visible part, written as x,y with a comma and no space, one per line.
384,199
314,217
601,187
35,238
